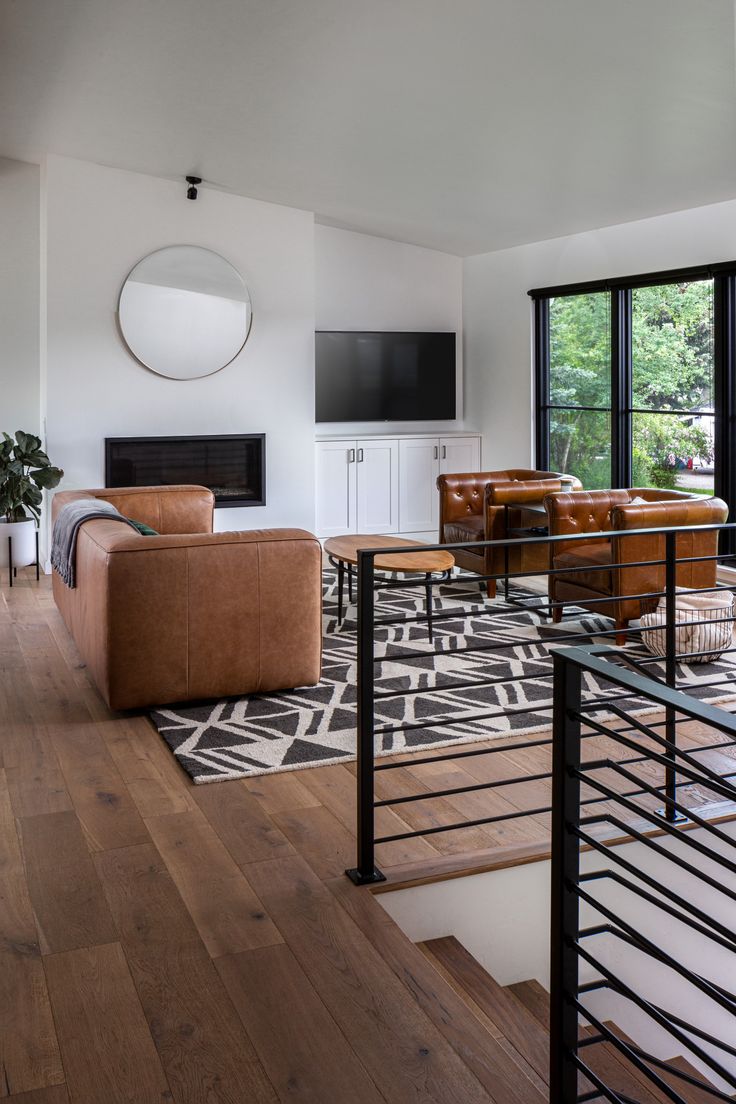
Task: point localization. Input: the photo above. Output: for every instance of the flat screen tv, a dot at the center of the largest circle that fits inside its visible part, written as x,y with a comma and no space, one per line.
369,376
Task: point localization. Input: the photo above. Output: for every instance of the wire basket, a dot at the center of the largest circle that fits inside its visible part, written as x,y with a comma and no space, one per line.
703,625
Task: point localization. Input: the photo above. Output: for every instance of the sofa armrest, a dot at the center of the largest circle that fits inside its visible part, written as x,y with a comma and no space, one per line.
519,491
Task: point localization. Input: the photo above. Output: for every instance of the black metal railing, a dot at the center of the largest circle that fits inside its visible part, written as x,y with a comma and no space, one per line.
451,731
668,898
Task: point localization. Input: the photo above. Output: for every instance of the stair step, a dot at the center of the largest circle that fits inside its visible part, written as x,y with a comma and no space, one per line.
505,1012
617,1072
534,997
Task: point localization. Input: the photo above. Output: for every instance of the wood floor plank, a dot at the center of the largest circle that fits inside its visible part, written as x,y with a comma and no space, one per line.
279,792
303,1051
336,788
106,1046
55,1094
204,1048
100,797
320,838
504,1074
70,907
29,1051
228,914
154,792
361,992
242,824
35,781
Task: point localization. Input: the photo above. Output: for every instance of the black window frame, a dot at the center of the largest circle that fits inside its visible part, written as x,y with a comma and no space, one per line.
620,289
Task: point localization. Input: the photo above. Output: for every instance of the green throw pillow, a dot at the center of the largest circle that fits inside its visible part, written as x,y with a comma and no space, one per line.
143,529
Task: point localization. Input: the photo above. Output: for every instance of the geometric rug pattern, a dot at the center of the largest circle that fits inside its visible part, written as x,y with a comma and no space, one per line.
316,725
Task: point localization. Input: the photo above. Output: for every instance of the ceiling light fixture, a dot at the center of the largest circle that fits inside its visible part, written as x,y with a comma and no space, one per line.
192,181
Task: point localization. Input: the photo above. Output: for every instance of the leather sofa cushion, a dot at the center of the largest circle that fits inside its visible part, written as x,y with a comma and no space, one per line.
587,554
470,528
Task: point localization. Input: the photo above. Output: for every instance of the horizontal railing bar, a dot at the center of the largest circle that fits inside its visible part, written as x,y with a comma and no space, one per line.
468,685
675,1071
655,792
518,542
672,830
672,749
497,784
651,1011
383,766
620,929
706,774
719,931
628,1051
463,824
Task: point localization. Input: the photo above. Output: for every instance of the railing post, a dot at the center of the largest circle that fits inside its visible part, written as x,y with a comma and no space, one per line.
366,871
565,872
670,591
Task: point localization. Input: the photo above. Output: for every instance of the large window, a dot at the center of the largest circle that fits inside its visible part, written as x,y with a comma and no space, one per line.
580,387
636,381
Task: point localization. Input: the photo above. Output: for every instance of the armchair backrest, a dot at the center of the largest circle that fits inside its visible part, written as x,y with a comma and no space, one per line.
570,514
176,509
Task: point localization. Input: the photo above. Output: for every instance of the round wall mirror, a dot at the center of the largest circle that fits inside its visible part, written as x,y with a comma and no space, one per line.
184,312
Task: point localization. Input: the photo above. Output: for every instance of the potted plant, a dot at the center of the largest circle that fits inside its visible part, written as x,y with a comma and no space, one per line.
25,472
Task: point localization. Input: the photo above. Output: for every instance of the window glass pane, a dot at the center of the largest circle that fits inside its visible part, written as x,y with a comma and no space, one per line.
672,346
673,450
580,350
580,444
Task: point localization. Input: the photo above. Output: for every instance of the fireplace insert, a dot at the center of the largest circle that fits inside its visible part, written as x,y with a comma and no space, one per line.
232,465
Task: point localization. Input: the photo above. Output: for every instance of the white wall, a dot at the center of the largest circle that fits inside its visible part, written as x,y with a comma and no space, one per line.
20,405
367,283
98,223
498,315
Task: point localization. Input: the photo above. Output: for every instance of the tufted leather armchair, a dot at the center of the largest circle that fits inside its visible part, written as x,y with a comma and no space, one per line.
472,508
601,512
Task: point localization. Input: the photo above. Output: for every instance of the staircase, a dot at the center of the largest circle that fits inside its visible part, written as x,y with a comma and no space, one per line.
517,1017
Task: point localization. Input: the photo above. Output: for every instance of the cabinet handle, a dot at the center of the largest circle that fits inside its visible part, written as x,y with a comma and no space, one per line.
360,456
444,452
436,452
351,456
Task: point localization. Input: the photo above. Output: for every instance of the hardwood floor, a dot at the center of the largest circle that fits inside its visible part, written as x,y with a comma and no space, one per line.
166,942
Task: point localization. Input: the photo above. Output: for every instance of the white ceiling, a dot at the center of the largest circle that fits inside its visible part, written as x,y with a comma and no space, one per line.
464,126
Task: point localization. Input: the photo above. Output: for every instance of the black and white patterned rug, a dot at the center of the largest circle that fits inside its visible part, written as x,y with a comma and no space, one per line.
314,726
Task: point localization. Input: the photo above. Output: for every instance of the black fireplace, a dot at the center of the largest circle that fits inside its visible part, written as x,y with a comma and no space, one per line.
232,465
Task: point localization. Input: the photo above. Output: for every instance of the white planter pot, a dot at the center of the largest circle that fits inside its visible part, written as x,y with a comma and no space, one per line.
23,539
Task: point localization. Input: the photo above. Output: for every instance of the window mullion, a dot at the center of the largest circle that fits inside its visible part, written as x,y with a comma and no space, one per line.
621,387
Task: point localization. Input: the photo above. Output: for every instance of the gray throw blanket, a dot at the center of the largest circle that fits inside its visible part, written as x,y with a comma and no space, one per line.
66,528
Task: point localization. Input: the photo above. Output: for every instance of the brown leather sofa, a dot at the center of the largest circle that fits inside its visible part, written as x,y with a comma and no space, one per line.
190,614
597,512
473,508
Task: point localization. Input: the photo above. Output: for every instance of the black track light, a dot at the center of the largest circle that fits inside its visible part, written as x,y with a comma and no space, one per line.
192,181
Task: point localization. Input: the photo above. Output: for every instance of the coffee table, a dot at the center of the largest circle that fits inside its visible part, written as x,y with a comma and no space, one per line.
342,553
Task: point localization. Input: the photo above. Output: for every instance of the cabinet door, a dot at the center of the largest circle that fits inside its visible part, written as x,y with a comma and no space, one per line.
335,488
459,454
377,496
419,466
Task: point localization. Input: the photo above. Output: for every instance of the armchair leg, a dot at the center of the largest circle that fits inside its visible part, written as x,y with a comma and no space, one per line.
621,627
557,615
491,588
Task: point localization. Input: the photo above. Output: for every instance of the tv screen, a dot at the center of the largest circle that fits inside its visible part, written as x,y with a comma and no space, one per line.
366,376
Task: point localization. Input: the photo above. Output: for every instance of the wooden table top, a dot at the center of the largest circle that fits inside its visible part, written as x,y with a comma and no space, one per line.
346,548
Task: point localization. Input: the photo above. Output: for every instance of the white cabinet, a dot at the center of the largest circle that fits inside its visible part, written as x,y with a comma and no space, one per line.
357,487
459,454
387,484
419,465
335,488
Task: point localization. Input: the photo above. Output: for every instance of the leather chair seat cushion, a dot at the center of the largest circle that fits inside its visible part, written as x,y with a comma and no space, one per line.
470,528
587,554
